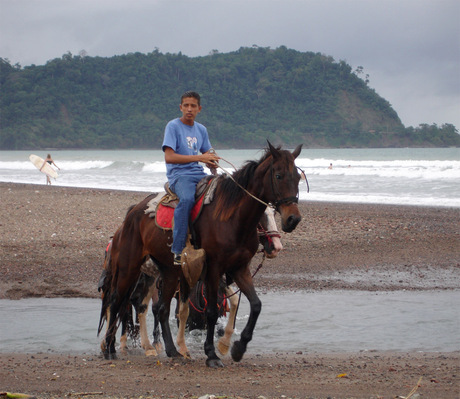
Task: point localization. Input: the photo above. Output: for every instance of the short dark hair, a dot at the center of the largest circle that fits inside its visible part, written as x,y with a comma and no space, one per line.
193,94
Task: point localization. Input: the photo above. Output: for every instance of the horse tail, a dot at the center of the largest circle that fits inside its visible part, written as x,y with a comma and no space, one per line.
128,325
105,283
104,308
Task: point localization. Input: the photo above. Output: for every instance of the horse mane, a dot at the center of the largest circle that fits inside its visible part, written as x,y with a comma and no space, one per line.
229,195
130,209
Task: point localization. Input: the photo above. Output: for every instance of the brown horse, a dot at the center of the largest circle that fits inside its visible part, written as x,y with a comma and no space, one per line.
226,230
146,290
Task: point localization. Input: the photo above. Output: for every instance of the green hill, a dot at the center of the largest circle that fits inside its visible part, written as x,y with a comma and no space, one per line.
248,96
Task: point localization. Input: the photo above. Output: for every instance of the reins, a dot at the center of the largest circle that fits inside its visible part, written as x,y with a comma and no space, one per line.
276,205
238,184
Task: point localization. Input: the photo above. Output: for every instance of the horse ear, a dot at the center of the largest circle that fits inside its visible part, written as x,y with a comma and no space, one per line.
296,152
273,150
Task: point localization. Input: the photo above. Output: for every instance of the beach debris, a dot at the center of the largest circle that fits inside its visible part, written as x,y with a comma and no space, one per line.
412,393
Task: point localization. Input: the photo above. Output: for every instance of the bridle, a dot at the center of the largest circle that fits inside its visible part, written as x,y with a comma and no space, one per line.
277,203
268,234
287,200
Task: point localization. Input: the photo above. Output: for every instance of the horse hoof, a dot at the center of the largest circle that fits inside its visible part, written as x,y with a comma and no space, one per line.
223,347
214,363
237,351
151,352
186,355
173,353
110,356
158,347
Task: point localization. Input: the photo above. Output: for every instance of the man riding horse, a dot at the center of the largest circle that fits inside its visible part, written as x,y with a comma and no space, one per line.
183,139
226,231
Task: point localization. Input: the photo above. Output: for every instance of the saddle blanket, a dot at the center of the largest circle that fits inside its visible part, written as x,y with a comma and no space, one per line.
162,206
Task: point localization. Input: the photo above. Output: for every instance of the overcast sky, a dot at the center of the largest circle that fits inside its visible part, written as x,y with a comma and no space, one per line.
409,48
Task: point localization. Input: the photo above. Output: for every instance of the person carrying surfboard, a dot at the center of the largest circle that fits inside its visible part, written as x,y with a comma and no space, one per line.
183,141
51,162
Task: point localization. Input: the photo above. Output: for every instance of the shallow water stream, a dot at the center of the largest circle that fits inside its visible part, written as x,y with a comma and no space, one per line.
329,321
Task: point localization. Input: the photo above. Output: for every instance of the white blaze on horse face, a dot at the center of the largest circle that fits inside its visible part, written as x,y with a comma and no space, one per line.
271,227
278,247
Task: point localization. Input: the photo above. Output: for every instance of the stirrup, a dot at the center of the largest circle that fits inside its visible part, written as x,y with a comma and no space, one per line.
177,260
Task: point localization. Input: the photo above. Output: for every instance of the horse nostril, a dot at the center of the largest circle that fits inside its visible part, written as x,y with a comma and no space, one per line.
291,223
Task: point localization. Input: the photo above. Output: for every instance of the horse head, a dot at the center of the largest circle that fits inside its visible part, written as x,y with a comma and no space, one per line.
269,235
281,184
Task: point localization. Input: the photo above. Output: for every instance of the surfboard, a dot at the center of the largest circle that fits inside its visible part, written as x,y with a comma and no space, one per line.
47,169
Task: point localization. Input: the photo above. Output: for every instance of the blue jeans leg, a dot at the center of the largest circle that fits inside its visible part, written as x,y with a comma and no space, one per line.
184,188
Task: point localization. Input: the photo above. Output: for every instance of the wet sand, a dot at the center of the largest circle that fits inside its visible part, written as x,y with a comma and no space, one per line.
52,241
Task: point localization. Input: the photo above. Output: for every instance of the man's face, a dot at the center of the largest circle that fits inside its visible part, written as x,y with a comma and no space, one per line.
190,109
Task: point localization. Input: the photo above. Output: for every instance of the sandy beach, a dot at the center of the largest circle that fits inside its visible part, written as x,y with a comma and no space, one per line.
52,241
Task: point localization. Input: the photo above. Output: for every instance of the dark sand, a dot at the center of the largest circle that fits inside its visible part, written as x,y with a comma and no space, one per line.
52,241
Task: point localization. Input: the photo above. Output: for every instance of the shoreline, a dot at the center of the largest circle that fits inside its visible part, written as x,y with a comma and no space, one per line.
52,241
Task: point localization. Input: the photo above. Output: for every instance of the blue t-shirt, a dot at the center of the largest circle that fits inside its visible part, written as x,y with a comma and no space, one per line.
185,140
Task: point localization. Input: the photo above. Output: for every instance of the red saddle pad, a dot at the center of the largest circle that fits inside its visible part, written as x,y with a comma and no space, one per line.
164,215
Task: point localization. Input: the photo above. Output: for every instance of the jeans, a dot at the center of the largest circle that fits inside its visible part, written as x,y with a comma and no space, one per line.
184,188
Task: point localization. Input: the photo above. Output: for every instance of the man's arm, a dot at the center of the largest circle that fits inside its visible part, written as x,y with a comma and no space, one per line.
208,158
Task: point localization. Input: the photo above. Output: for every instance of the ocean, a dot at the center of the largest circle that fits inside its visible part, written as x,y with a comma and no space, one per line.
402,176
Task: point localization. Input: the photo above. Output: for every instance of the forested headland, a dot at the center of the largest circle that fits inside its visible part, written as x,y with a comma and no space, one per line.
248,96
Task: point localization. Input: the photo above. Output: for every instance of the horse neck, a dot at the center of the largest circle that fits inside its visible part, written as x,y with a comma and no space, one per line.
251,208
250,212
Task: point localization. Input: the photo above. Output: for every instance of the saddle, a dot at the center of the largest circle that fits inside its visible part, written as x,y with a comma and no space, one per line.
163,205
162,209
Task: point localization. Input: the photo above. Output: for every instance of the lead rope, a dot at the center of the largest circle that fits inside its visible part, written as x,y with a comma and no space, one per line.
239,185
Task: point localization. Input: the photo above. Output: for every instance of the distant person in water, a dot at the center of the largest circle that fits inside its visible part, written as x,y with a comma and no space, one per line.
330,166
51,162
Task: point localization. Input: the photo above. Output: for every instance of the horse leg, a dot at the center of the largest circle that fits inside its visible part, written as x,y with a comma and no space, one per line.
212,315
224,342
123,341
110,336
156,325
244,282
103,344
124,330
184,310
169,286
145,342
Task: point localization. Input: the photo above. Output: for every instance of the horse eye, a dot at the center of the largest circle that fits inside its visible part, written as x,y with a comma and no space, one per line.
278,177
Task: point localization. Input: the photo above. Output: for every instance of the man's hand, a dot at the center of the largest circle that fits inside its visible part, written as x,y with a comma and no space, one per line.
211,159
